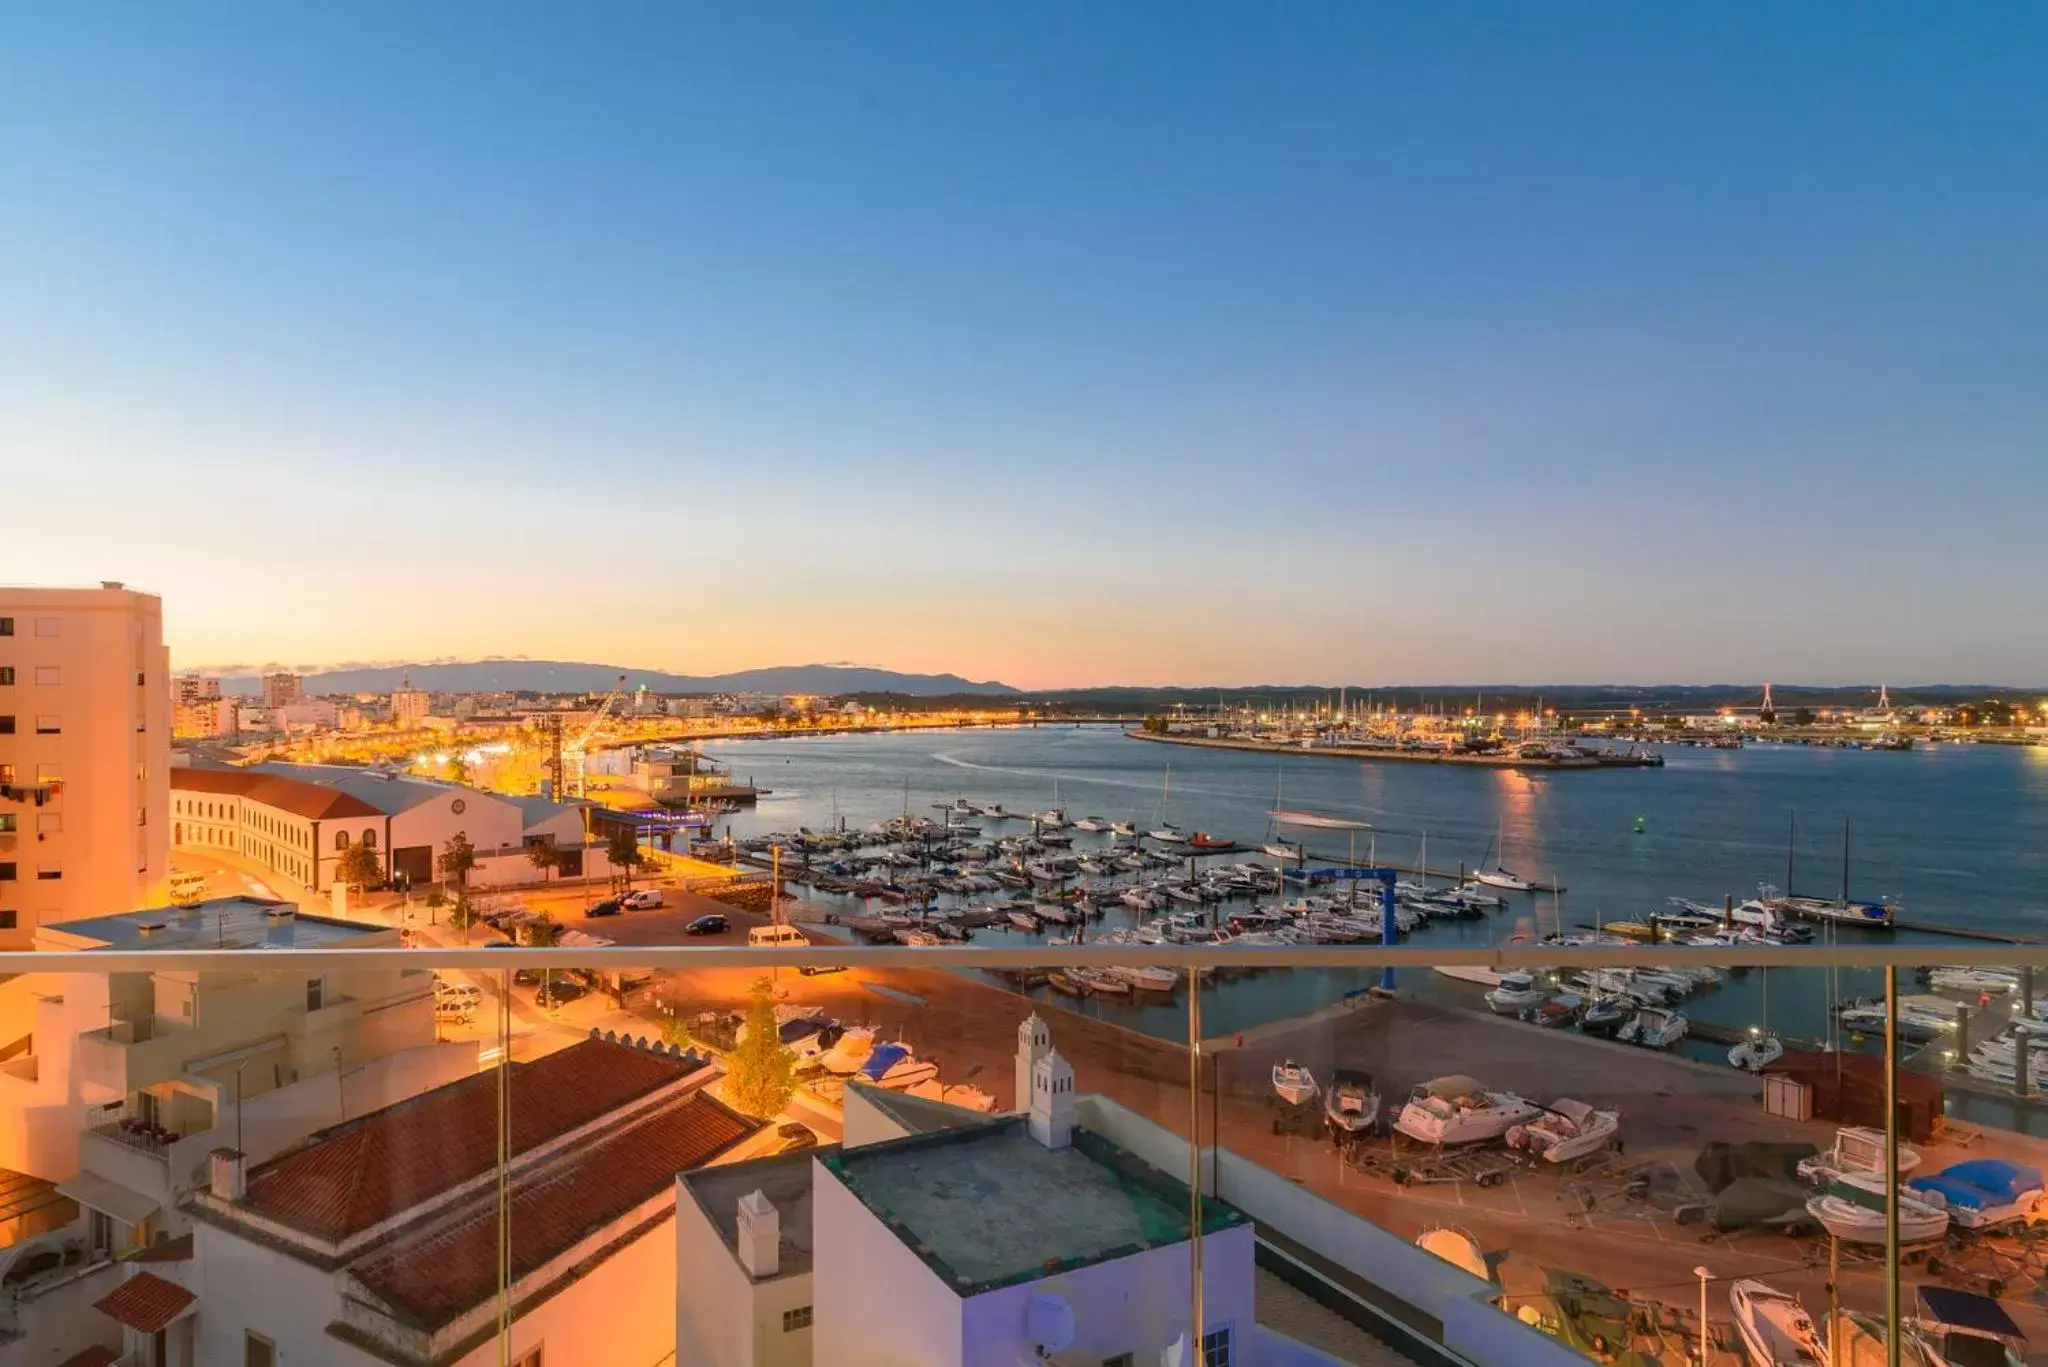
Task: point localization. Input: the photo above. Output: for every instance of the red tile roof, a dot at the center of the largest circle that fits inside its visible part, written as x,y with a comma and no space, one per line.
92,1357
311,800
365,1171
432,1280
146,1302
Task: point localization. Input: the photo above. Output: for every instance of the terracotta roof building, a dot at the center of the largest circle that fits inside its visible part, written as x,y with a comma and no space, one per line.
392,1220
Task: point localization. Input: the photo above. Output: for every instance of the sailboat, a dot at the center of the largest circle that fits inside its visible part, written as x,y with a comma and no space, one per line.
1166,832
1763,1046
1497,876
1275,844
1053,817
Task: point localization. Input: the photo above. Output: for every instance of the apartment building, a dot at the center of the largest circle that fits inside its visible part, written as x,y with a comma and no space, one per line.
117,1086
85,733
282,689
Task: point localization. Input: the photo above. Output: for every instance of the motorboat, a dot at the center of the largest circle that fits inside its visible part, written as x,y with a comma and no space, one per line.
894,1067
1351,1106
1501,878
1293,1083
1472,973
1653,1027
1516,993
1149,978
1051,819
1852,1209
1170,835
1023,920
1101,981
1457,1248
849,1051
1757,1051
1202,840
1921,1017
1863,1344
1775,1328
1566,1130
1280,847
1606,1015
1992,981
1982,1193
1857,1149
993,811
1555,1012
1963,1328
1458,1110
1123,828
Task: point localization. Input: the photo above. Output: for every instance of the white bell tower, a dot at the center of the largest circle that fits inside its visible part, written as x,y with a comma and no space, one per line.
1052,1101
1034,1042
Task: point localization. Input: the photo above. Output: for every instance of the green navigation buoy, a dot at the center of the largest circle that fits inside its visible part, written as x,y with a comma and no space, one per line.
1639,825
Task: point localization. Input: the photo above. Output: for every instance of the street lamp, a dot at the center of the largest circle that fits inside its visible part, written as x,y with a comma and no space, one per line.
1704,1276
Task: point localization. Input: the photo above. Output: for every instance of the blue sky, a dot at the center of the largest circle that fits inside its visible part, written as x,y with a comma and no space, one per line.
1062,344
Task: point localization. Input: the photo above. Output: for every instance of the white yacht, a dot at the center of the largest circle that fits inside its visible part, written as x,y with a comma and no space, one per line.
1091,824
1351,1105
1517,992
1775,1327
1125,828
1457,1110
1754,1053
1566,1130
1653,1027
1169,835
1280,847
1501,878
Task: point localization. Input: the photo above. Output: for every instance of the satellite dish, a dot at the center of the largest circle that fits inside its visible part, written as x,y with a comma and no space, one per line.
1049,1323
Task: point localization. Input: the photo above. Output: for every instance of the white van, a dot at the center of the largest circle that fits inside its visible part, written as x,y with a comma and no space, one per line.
781,937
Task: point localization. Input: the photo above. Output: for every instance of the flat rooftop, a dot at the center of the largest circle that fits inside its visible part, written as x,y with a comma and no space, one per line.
218,923
784,1179
987,1205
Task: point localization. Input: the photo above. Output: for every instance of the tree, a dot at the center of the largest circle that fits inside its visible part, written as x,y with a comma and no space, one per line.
675,1030
622,848
1802,716
462,915
458,857
359,867
540,932
435,900
543,855
760,1073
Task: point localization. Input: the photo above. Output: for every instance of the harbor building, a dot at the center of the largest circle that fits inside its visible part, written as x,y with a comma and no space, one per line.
296,821
85,734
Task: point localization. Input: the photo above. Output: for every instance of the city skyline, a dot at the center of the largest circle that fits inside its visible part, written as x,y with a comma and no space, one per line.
1065,348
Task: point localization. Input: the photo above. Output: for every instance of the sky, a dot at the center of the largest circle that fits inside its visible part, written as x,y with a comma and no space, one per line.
1062,344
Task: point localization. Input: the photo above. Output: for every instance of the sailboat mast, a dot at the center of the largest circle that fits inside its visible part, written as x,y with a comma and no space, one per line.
1845,861
1791,838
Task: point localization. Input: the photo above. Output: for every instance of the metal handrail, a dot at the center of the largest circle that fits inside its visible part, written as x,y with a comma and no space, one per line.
621,957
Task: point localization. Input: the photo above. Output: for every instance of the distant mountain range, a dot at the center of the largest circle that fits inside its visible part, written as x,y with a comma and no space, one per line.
562,676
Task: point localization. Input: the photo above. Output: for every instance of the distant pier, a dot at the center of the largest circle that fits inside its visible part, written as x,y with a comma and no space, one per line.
1393,754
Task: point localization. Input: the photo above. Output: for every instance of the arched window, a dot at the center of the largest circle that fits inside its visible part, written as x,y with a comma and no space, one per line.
341,840
370,839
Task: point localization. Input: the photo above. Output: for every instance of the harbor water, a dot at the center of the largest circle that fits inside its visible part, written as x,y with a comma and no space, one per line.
1955,834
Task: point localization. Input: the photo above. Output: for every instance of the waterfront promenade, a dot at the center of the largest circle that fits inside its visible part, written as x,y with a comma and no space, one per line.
1393,755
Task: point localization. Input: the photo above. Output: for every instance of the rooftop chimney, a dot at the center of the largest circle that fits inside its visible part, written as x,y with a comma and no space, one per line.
760,1236
230,1180
1052,1101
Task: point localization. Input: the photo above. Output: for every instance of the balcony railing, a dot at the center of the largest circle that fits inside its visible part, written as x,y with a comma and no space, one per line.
1473,1166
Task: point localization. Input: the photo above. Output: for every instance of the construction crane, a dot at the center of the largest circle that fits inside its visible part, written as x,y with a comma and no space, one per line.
573,752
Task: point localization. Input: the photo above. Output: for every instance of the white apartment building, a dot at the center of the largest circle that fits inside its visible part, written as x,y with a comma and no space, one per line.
409,705
377,1244
85,735
118,1086
282,689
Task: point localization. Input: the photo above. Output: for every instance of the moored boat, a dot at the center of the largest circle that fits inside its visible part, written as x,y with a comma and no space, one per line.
1775,1328
1351,1105
1293,1083
1458,1110
1566,1130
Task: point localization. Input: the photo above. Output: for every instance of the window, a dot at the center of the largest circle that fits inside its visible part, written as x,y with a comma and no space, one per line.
316,993
6,725
49,676
99,1231
7,919
6,773
6,823
6,676
49,626
49,724
49,873
6,626
7,874
341,840
1216,1347
370,840
142,816
799,1318
530,1358
258,1351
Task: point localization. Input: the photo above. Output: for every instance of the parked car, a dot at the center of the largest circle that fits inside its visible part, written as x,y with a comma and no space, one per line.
641,900
713,924
794,1136
608,907
559,992
811,970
